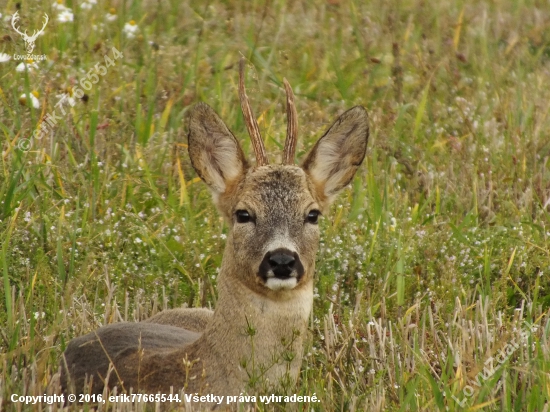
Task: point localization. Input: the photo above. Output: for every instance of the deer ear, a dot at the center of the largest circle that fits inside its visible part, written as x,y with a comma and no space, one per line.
215,153
335,158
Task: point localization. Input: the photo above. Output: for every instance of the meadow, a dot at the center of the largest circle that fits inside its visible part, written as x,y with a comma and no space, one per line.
432,285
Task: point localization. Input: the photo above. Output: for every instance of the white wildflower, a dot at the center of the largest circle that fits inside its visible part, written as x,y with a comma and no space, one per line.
111,16
88,4
34,100
29,65
130,29
65,16
58,5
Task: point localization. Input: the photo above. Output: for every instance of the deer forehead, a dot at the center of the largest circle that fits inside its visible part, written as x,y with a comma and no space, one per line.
279,190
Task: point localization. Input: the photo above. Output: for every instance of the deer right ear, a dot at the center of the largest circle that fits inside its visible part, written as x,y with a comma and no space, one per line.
215,153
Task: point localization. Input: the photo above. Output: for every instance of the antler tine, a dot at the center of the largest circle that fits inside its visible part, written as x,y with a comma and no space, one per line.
46,20
14,19
36,33
250,120
292,126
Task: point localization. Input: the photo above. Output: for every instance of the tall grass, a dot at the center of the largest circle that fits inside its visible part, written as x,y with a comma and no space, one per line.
435,258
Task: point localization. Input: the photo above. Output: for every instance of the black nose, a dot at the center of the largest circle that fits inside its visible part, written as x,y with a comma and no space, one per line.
282,264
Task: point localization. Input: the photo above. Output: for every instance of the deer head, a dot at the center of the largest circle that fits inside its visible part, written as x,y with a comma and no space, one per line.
29,40
272,209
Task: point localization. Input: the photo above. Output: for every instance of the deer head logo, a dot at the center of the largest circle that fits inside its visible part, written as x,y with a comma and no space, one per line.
29,40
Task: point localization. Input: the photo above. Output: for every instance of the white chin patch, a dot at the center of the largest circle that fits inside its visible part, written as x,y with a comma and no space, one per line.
280,284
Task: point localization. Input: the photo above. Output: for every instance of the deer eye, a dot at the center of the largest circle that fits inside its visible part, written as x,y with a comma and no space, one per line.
313,216
243,216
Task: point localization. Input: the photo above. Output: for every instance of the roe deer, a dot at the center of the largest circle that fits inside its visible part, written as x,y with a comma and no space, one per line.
265,285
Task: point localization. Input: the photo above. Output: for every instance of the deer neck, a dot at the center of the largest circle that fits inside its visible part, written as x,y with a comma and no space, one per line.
253,334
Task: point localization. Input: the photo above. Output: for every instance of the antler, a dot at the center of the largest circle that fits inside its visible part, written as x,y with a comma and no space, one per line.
14,18
250,120
36,33
292,126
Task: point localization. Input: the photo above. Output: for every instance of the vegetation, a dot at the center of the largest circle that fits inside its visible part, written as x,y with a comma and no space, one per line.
432,287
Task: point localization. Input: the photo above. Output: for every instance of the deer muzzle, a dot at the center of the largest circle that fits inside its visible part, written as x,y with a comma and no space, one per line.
281,269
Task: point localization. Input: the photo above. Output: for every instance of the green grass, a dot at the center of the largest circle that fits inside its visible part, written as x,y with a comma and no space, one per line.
430,263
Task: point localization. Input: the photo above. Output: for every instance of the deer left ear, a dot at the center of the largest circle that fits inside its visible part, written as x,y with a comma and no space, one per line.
334,159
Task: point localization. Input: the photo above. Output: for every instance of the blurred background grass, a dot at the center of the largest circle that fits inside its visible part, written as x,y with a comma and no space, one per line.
430,262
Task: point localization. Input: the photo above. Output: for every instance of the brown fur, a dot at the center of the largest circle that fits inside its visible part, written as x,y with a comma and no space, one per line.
253,341
193,319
